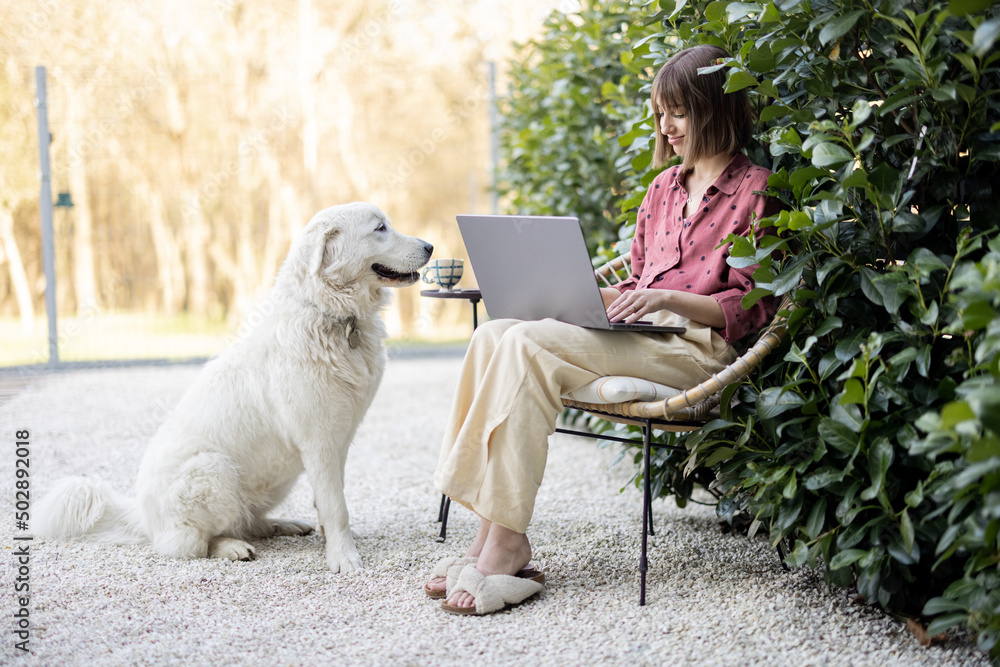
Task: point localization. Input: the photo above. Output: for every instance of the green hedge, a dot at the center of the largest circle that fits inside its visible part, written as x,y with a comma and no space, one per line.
569,100
870,443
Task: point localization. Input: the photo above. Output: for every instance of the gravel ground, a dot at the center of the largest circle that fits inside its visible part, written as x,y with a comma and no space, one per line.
713,598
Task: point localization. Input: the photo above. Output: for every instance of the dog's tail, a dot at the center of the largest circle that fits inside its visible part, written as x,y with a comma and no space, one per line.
88,509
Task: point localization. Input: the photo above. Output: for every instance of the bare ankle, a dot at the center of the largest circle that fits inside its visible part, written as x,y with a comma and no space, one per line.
505,552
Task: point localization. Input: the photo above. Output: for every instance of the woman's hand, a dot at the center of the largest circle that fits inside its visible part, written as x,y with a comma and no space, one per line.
633,305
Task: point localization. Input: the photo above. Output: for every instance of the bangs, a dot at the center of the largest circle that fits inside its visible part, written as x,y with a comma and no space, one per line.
668,89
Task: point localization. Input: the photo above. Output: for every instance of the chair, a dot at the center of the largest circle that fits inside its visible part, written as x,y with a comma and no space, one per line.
672,410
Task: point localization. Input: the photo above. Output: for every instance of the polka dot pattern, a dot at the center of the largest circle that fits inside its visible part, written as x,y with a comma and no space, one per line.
701,266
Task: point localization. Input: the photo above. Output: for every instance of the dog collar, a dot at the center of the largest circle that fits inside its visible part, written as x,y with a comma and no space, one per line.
350,323
352,332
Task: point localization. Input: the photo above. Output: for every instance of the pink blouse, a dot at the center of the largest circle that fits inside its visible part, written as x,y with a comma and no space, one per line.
671,252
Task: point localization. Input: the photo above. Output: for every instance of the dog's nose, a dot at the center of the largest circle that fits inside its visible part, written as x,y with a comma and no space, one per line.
428,248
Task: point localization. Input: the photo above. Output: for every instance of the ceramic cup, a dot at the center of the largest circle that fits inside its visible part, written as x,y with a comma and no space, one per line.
445,273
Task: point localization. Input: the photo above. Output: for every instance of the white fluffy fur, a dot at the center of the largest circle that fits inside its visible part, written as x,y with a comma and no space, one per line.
288,397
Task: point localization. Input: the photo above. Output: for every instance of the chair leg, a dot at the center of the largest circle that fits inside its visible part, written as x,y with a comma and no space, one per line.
443,518
650,519
441,508
646,511
781,557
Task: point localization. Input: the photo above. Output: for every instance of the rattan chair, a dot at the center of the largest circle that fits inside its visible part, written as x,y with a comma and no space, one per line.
686,411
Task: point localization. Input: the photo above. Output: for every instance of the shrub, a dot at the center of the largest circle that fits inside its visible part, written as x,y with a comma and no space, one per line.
563,113
869,443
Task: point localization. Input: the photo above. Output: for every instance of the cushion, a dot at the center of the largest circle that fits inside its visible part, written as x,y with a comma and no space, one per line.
620,389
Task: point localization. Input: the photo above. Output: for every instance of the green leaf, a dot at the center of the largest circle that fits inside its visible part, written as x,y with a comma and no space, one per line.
846,557
770,14
849,415
790,487
906,529
978,315
854,392
824,477
839,26
860,112
879,459
893,289
799,220
805,174
738,80
737,10
790,275
945,623
986,34
955,413
773,111
915,497
903,358
816,520
827,268
829,154
857,179
947,537
799,555
753,296
775,401
924,360
925,261
830,324
937,606
718,456
966,7
838,436
788,512
761,59
716,11
850,346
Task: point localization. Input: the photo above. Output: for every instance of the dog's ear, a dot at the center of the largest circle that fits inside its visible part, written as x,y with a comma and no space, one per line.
323,252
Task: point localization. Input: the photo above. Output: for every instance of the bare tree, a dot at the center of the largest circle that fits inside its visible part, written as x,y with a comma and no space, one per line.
225,126
16,184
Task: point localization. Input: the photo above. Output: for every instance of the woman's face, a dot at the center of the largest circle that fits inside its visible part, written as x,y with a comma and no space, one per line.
673,125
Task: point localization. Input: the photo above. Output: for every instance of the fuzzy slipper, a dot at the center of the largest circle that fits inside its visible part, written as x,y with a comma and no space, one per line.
441,570
494,592
449,569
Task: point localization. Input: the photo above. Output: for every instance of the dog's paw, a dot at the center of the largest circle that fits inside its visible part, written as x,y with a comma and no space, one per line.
343,561
289,527
342,564
233,549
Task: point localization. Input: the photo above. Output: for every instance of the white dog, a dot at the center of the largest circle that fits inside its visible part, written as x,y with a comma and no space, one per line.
287,397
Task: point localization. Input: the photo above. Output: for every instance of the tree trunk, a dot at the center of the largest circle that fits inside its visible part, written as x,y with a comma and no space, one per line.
309,67
169,266
18,276
284,218
196,240
84,279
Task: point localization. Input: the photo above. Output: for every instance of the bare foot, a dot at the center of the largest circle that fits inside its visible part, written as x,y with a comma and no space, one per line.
505,552
439,584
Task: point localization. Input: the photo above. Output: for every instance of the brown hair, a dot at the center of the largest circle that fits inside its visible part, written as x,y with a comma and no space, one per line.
717,122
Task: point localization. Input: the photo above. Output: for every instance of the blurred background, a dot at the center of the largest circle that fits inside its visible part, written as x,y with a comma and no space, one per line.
190,140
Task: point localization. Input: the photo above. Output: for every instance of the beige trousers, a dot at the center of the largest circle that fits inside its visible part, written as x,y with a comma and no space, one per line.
508,399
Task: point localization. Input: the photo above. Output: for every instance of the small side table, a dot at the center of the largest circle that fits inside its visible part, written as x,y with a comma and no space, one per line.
474,296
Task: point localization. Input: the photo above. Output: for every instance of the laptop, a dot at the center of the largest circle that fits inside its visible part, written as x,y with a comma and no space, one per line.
537,267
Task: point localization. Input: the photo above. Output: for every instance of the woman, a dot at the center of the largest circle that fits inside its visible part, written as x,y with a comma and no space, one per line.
514,373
